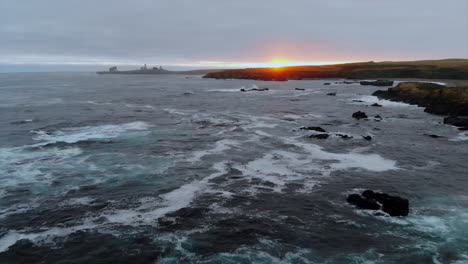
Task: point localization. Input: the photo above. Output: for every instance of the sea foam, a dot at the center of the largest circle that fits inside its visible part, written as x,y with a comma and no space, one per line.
76,134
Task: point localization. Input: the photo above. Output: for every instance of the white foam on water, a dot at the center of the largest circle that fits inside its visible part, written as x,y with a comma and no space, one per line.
139,106
262,133
98,103
260,124
308,165
13,236
440,83
370,99
219,147
253,86
179,198
352,159
18,166
281,168
461,137
76,134
178,111
77,201
293,116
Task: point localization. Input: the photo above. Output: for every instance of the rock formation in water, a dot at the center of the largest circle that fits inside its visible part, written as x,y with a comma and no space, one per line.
359,115
392,205
377,83
437,99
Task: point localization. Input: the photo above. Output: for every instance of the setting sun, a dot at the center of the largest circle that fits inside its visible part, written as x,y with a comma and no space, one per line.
276,62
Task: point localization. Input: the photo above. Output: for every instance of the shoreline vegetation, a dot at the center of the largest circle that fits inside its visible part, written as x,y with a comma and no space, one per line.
452,69
437,99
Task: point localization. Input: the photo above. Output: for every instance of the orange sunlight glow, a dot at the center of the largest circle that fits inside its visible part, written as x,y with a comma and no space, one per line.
276,62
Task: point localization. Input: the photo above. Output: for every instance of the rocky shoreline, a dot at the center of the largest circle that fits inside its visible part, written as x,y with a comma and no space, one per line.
456,69
437,99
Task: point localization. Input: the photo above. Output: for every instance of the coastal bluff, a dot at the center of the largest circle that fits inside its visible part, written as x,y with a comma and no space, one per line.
437,99
454,69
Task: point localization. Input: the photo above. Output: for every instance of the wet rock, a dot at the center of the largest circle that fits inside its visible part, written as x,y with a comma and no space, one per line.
433,136
319,136
343,136
358,101
260,89
362,202
327,83
437,99
21,122
378,117
392,205
459,121
377,83
189,212
359,115
254,89
368,138
299,89
331,94
318,129
376,105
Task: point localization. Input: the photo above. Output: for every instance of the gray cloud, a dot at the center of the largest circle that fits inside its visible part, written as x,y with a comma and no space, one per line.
183,31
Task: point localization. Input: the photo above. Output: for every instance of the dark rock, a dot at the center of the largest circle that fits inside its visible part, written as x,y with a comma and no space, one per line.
377,83
368,138
378,117
359,115
437,99
362,202
459,121
358,101
392,205
376,105
299,89
319,136
318,129
433,136
331,94
344,136
189,212
326,83
254,89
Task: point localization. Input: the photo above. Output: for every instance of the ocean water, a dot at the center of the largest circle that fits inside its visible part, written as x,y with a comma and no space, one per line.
179,169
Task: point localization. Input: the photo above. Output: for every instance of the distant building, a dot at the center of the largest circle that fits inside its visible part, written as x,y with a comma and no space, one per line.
144,68
113,69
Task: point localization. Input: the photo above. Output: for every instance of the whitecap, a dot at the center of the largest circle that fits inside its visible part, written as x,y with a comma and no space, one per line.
76,134
13,236
370,99
352,159
220,147
461,137
139,106
152,209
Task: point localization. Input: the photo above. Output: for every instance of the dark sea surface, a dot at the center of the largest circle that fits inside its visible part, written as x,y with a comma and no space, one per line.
180,169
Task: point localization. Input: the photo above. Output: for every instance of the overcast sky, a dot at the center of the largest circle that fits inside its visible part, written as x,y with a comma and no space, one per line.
210,32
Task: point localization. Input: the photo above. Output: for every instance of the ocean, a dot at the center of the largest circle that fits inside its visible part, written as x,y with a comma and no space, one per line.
181,169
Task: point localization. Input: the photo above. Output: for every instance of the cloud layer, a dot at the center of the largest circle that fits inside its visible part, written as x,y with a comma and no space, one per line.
191,32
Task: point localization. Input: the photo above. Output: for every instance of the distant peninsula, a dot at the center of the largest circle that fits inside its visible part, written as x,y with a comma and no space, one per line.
454,69
158,71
